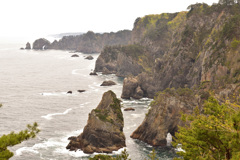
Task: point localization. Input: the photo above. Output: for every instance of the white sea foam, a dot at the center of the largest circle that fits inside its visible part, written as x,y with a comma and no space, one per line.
58,143
137,115
49,116
25,149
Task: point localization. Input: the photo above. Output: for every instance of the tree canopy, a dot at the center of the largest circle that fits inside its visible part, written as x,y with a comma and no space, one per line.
16,138
212,134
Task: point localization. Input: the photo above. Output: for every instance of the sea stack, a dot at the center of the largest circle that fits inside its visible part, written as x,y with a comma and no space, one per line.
104,130
28,46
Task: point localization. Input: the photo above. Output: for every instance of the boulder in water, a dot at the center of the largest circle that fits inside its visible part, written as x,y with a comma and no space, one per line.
108,83
89,57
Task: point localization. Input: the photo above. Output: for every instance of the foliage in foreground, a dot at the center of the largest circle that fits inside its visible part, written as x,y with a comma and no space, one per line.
16,138
123,156
211,135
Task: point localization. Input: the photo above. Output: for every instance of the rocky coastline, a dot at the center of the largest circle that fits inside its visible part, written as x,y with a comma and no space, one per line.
89,42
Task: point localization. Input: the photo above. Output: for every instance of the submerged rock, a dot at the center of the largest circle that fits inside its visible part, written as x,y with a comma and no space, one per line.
104,130
108,83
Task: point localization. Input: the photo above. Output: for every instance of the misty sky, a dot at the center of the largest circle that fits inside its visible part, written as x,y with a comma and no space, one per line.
43,17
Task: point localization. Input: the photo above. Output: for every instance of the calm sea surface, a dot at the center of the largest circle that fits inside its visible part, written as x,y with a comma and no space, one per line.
33,86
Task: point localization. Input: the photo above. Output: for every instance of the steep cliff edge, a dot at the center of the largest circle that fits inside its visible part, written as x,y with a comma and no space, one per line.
186,48
164,115
89,42
104,130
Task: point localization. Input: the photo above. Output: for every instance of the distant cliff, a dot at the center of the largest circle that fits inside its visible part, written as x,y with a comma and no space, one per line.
89,42
179,50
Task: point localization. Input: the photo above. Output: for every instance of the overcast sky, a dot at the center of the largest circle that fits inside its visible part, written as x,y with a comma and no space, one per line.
43,17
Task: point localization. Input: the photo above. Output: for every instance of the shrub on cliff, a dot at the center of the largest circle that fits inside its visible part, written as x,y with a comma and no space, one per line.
213,134
16,138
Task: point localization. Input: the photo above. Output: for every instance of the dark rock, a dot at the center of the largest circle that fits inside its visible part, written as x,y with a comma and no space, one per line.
41,44
104,130
69,92
130,86
28,46
80,91
75,55
22,48
106,71
108,83
93,74
129,109
89,57
164,117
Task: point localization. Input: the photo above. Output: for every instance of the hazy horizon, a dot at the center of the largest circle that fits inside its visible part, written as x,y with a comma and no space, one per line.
28,18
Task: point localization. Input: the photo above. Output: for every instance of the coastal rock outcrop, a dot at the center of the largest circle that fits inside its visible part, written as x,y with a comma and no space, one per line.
104,130
164,117
120,60
41,44
108,83
28,46
176,50
89,57
89,42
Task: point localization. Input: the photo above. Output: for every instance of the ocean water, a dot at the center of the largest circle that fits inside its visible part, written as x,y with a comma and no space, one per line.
33,86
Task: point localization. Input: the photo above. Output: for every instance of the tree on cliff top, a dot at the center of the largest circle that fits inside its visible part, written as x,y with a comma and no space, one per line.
16,138
213,134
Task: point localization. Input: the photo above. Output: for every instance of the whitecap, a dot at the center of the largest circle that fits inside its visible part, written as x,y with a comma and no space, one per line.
25,149
49,116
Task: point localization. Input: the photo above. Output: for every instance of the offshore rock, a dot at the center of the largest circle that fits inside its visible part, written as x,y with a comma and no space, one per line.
163,118
75,55
93,74
108,83
104,130
131,89
28,46
89,57
41,44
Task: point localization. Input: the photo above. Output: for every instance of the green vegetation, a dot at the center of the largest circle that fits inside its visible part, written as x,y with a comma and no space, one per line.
116,108
235,44
0,105
212,134
16,138
123,156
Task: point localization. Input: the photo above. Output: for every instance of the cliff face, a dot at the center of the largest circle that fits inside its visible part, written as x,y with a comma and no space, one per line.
90,42
164,116
187,48
104,130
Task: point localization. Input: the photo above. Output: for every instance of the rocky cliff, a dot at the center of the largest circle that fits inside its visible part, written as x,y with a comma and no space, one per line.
104,130
164,116
181,50
89,42
165,111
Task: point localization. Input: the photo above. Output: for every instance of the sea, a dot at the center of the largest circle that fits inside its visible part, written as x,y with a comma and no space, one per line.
33,88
